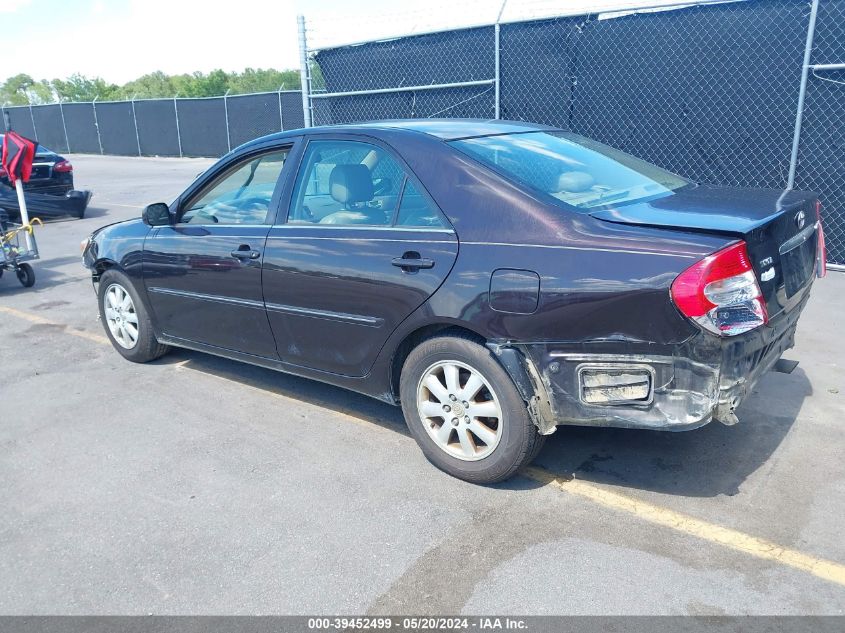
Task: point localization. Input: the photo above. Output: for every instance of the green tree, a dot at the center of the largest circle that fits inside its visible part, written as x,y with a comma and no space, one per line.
80,88
150,86
16,90
23,89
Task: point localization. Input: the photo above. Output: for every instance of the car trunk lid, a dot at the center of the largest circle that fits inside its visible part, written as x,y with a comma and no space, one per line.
779,228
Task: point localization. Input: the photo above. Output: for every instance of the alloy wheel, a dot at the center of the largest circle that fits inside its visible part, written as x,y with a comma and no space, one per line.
119,311
460,411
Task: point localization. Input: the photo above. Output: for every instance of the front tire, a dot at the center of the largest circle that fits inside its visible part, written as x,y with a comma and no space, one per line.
465,412
126,319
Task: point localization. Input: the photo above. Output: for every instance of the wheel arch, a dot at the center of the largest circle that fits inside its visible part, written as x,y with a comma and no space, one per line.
102,265
417,336
525,377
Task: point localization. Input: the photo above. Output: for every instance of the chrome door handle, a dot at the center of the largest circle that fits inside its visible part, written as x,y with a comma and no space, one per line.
246,253
412,264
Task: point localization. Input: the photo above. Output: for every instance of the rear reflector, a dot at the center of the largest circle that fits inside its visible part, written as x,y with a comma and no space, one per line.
721,293
615,384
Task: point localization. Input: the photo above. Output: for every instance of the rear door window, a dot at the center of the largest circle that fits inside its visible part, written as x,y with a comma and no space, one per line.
346,183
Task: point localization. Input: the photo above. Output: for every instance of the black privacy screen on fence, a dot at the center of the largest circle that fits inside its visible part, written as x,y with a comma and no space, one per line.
159,127
252,116
117,128
81,128
708,91
202,127
48,122
453,57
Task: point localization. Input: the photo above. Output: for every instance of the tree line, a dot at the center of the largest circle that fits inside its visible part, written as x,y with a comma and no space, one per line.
24,90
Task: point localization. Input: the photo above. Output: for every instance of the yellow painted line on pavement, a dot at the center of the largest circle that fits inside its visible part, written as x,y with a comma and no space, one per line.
643,510
726,537
36,318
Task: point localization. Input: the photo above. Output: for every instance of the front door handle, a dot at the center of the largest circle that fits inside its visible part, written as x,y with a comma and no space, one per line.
245,252
412,262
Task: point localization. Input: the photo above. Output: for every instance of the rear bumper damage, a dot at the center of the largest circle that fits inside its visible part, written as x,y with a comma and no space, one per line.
71,202
646,386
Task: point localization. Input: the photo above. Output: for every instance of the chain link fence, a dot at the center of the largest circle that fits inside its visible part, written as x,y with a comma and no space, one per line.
710,90
159,127
821,152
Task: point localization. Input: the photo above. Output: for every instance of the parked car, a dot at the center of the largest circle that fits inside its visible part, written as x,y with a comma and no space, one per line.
49,190
495,278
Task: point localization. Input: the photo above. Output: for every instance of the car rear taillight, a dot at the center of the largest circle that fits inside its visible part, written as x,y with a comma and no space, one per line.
721,293
63,167
821,251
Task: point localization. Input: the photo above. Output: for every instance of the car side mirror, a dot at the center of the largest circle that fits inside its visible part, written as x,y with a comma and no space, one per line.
156,214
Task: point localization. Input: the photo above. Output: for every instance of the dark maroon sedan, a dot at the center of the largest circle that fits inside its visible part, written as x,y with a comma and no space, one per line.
495,278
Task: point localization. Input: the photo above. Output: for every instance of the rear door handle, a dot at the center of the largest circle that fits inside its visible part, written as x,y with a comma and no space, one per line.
245,252
409,264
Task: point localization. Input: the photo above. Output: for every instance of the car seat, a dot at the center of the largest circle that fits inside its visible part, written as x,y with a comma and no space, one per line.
352,186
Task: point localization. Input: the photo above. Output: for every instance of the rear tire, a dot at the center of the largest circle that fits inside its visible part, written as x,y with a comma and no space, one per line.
26,275
464,411
126,319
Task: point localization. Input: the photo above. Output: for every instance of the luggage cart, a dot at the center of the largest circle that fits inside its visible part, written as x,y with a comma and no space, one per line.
18,246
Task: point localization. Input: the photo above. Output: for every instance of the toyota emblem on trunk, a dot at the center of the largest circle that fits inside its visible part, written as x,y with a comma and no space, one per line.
800,219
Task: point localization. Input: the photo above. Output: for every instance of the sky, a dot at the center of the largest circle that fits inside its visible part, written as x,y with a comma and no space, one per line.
120,40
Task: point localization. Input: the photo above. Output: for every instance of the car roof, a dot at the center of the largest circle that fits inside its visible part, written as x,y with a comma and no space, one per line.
452,129
443,129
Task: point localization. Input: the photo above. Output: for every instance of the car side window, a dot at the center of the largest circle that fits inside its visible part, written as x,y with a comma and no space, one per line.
346,183
415,210
240,196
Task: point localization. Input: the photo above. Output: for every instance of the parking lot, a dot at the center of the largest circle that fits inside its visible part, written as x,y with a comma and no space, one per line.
197,485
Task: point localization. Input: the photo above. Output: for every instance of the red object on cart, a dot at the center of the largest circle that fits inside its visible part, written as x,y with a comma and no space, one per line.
18,154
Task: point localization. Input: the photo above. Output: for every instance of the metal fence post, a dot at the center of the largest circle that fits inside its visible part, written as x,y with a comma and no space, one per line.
226,114
64,125
281,116
135,121
32,118
802,95
304,73
497,75
178,133
97,123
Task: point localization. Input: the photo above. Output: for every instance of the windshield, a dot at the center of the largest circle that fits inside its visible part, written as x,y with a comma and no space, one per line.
575,170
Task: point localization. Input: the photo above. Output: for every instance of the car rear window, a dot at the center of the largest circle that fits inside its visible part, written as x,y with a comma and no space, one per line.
39,149
574,170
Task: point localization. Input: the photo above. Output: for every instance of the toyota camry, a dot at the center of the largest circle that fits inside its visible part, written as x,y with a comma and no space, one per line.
496,279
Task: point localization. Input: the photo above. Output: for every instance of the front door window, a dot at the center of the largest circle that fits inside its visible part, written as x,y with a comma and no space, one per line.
240,196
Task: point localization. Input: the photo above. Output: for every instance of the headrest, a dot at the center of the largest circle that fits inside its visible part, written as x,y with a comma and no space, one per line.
351,183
